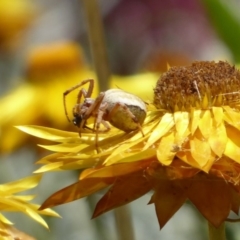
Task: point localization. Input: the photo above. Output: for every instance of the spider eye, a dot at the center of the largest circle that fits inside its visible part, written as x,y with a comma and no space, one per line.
77,120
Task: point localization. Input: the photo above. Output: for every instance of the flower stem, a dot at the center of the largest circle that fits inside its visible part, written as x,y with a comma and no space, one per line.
97,42
123,222
216,233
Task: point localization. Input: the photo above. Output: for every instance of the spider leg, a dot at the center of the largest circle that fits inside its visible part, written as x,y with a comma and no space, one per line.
83,92
85,127
99,120
93,110
96,104
80,93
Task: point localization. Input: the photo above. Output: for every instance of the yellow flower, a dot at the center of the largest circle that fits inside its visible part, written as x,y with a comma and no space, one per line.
15,16
10,201
190,149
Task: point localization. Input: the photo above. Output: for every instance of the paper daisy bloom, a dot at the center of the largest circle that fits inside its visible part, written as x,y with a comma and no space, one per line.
190,149
11,201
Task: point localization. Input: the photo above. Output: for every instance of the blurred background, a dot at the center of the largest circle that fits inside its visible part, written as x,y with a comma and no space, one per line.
45,48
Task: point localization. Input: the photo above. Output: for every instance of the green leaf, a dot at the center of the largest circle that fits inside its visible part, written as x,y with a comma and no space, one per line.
226,22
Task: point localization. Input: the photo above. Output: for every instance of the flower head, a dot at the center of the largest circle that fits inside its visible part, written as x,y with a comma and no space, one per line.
202,85
10,201
190,149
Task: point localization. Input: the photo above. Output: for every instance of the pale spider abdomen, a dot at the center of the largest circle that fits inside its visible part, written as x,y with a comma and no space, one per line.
122,121
121,118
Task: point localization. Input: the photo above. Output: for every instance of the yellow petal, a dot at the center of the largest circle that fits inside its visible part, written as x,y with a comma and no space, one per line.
182,130
20,185
232,117
232,149
218,139
5,220
65,147
132,156
8,232
205,102
48,212
201,150
49,167
24,198
181,120
165,153
205,124
49,158
69,164
165,124
195,116
218,115
80,164
118,153
24,208
34,215
50,133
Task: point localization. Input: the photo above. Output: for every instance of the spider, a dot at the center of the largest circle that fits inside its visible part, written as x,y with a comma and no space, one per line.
123,110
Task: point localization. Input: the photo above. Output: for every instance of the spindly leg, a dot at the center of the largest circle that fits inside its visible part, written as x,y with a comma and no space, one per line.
80,93
99,120
93,109
83,92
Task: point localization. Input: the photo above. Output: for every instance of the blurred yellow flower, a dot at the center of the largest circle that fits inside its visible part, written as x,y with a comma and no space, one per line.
190,149
10,201
8,232
15,16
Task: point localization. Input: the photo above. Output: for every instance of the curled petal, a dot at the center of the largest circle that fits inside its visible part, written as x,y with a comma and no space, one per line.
124,190
168,197
75,191
212,198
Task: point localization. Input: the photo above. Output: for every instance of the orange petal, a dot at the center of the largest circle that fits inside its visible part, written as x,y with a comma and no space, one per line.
115,170
168,197
212,198
75,191
235,200
124,190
